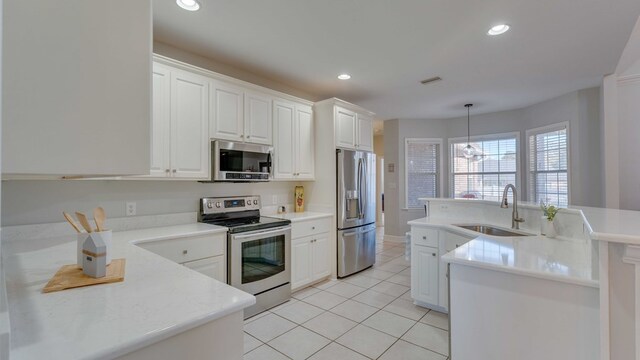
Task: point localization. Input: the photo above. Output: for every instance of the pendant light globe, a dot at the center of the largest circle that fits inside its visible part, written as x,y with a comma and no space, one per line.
469,151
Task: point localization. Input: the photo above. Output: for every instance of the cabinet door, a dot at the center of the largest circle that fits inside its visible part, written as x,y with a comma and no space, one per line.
320,256
345,128
283,138
301,262
304,143
424,274
227,120
214,267
365,133
189,125
161,122
257,118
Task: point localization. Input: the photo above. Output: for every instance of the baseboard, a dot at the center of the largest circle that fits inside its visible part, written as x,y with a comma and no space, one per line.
393,238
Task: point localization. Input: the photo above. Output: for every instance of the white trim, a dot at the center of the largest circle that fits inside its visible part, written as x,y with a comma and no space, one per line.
500,136
542,130
436,141
227,79
605,340
632,256
628,80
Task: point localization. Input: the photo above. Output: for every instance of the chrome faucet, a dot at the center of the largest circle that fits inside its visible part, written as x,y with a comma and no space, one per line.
515,219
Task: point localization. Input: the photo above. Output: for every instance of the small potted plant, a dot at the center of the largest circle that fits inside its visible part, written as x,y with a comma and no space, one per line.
546,223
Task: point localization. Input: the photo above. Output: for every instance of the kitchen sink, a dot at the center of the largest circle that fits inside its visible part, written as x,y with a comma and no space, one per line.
490,230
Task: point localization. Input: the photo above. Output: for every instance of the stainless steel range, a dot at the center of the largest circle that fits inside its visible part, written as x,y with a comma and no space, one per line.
258,249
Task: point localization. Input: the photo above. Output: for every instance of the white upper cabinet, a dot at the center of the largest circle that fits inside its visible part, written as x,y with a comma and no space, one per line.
180,126
77,99
345,128
354,130
365,133
293,141
240,114
227,119
257,118
161,123
304,143
189,125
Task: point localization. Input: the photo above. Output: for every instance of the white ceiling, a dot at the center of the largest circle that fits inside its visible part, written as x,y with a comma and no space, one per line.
388,46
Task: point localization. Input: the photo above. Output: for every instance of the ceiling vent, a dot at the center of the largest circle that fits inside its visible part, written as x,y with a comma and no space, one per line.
430,80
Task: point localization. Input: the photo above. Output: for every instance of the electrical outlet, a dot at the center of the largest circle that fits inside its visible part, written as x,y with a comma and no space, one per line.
131,209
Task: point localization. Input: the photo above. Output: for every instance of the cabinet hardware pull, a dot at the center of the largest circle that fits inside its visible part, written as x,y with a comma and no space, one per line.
313,228
166,170
174,171
434,254
248,136
184,252
424,238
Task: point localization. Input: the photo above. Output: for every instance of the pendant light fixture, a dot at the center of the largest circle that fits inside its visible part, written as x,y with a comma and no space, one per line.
469,151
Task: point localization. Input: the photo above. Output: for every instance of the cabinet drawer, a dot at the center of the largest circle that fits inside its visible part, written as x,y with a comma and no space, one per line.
452,241
310,227
188,249
424,236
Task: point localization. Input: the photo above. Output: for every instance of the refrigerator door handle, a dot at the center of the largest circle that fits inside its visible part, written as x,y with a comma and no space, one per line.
359,181
365,188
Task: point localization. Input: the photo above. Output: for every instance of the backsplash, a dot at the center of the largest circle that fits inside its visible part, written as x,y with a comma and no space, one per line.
43,201
569,223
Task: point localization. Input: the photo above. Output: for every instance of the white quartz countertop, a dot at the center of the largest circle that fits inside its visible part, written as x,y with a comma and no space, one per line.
157,299
537,255
300,216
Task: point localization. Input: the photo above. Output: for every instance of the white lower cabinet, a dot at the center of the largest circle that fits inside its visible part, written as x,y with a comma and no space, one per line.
309,252
429,285
213,267
205,254
424,277
309,259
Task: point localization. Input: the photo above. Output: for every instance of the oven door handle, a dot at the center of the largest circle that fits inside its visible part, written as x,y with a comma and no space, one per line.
254,234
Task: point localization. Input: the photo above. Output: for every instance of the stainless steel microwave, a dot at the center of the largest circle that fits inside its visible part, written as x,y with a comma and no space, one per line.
240,162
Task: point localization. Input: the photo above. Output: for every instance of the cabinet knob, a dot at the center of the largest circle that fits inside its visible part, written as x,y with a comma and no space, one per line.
167,170
313,228
184,252
174,171
248,136
424,238
434,254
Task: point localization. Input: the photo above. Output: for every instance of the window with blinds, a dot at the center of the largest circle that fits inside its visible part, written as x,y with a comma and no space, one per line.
422,170
484,176
548,164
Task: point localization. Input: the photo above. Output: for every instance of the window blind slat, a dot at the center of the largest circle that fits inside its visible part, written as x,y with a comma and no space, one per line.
422,170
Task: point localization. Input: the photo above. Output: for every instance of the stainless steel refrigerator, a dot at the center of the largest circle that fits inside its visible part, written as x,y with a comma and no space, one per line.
356,211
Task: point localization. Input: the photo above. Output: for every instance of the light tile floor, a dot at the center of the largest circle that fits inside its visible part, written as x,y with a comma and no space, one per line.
369,315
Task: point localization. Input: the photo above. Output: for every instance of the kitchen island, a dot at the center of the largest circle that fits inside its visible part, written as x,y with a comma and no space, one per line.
161,310
520,296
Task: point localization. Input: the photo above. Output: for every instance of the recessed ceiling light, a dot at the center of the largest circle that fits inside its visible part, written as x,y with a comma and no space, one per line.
498,29
191,5
344,76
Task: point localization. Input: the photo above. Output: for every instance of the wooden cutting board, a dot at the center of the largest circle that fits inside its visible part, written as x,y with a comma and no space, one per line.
71,276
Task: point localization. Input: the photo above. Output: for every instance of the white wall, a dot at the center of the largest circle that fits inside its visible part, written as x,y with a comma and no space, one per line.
580,108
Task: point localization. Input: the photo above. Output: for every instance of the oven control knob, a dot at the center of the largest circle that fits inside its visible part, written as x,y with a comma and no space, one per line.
210,205
248,201
218,204
255,202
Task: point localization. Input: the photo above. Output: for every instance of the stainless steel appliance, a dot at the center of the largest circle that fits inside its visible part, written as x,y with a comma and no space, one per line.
356,211
240,162
258,249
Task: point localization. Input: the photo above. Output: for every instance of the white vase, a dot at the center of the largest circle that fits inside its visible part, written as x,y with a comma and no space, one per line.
549,228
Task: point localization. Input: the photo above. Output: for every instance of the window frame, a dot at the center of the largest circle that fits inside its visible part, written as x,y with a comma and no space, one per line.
487,137
542,130
439,169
